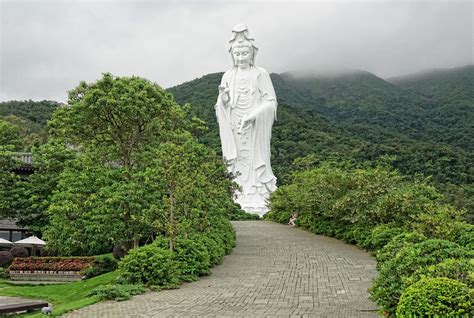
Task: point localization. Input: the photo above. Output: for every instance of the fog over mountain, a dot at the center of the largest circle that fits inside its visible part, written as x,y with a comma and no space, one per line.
47,47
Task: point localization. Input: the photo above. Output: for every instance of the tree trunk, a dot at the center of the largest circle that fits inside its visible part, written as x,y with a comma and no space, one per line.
136,242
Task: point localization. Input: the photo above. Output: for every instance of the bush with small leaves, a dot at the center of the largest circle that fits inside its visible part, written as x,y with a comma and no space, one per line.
3,273
390,283
223,230
117,292
101,264
214,249
436,297
380,236
356,234
119,252
191,255
19,251
463,234
389,251
6,259
458,269
440,221
219,249
48,252
150,265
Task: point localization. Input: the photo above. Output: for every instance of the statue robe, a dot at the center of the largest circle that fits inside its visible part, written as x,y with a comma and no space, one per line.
260,181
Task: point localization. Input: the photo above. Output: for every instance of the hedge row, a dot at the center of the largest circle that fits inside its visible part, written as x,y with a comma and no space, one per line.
413,234
156,265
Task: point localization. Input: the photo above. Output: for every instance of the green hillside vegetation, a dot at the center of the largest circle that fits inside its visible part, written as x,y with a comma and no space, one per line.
358,116
423,122
29,119
451,93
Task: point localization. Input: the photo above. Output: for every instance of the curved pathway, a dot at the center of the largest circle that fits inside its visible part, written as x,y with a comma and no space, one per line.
274,271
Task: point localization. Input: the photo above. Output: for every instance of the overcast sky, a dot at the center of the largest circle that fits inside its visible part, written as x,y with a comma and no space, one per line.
47,47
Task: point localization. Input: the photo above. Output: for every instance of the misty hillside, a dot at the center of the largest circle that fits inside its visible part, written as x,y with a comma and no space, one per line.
451,96
356,116
423,122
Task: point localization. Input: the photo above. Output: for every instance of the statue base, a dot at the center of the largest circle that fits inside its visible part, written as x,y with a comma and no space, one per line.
253,204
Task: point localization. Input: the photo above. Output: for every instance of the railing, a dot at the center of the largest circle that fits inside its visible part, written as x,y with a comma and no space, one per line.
24,157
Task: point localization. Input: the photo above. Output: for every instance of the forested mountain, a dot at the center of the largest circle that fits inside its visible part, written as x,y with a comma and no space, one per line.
25,122
451,96
359,116
35,113
424,121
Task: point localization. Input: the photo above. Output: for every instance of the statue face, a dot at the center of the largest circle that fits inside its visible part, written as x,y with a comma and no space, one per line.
242,57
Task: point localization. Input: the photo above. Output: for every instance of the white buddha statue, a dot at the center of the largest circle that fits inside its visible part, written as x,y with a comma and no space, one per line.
246,109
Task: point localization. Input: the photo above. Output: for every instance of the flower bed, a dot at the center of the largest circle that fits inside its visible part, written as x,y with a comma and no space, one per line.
75,264
49,268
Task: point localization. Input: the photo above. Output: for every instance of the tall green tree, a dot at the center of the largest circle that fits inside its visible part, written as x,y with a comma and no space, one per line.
138,172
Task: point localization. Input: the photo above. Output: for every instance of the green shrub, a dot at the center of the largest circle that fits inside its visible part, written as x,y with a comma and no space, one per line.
463,234
101,264
116,291
237,214
327,227
389,284
119,252
3,273
360,193
380,236
219,249
458,269
436,297
357,234
439,221
6,259
215,250
403,203
389,251
150,265
192,257
223,230
19,251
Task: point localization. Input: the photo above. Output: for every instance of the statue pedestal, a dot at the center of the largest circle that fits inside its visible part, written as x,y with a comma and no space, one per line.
254,204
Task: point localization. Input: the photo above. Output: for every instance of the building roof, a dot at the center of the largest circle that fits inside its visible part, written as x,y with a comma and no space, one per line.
10,224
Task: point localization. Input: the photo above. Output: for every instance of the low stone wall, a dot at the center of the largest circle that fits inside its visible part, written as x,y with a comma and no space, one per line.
47,276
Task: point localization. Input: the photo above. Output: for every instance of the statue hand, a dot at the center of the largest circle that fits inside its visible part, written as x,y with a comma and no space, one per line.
224,93
247,120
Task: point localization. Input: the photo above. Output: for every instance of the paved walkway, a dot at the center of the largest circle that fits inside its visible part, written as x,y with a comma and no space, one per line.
274,271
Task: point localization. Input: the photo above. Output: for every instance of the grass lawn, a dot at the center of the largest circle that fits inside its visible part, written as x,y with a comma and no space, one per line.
64,297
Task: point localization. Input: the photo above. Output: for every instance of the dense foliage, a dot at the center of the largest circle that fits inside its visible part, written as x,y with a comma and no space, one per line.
116,292
135,171
360,117
390,282
436,297
404,222
29,119
155,265
150,264
423,122
6,259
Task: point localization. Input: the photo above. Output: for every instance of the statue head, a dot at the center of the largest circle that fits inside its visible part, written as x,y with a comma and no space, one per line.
241,41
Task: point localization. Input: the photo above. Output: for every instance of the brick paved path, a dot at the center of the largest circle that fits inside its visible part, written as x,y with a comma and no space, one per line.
274,271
